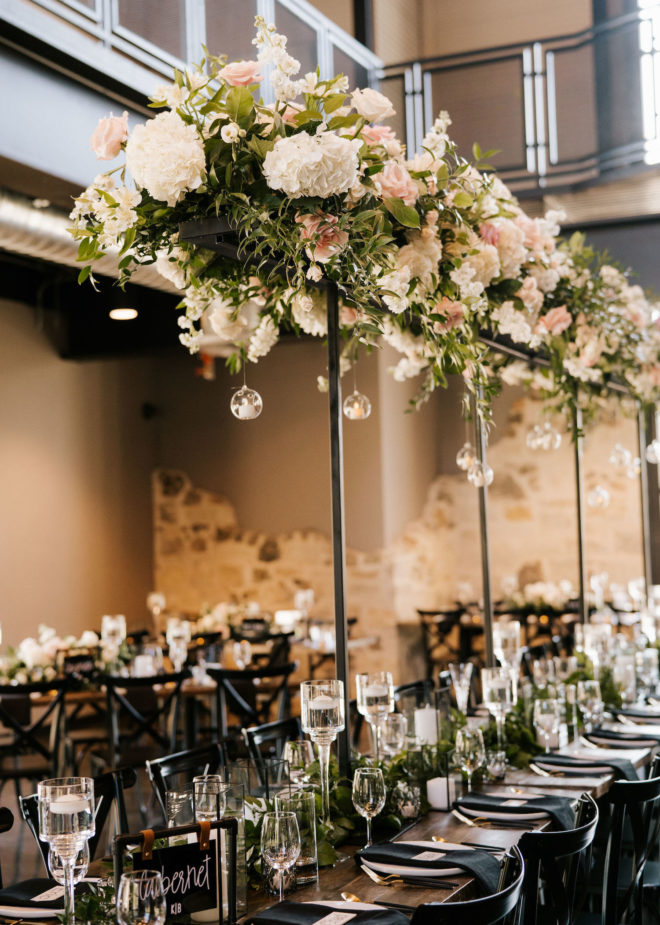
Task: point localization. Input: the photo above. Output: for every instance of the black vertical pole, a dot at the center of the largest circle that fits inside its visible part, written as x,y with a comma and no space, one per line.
642,438
338,536
579,495
481,444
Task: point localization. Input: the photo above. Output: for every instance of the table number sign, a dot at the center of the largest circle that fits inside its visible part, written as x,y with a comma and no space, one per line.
192,873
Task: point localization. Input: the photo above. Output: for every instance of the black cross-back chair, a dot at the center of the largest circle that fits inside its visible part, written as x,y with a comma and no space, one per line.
6,823
248,697
272,735
34,746
180,767
138,713
559,860
503,906
108,794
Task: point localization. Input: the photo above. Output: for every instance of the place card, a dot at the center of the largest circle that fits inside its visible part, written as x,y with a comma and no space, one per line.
429,856
514,803
336,918
56,892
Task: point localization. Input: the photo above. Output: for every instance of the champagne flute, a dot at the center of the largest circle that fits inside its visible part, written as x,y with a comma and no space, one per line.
375,699
469,752
547,719
461,676
280,842
497,685
141,899
590,702
66,822
323,715
369,795
299,754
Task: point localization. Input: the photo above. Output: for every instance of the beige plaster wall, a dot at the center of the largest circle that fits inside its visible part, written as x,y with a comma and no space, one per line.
75,464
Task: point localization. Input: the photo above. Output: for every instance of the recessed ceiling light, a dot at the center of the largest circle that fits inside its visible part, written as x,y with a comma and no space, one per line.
123,314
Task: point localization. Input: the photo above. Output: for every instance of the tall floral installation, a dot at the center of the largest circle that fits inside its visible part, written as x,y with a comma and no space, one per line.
428,251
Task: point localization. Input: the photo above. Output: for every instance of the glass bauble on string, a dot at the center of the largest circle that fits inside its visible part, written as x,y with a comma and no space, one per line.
598,497
357,406
480,474
543,437
620,457
466,457
246,404
653,452
634,468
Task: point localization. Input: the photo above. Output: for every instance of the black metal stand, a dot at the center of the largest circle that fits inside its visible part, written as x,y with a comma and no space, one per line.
647,555
579,498
338,532
486,589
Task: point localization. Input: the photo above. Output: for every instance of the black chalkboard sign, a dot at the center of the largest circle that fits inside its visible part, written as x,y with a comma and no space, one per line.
189,875
77,664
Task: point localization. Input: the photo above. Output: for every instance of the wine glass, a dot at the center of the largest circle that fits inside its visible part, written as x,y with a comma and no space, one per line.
113,633
393,733
461,676
368,795
141,899
209,792
590,702
547,719
647,672
242,653
543,672
280,842
178,636
624,676
66,822
497,685
323,715
565,666
469,751
375,699
299,754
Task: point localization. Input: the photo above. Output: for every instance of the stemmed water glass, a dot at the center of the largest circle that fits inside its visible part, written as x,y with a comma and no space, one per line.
323,715
178,636
209,792
375,699
543,672
280,842
141,898
461,676
590,702
369,795
66,823
506,644
80,865
299,754
547,719
497,685
393,733
647,672
469,752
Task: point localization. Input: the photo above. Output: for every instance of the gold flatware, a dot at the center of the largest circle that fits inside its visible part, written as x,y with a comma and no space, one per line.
350,898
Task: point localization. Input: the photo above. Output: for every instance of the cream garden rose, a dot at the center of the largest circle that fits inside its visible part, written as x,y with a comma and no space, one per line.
372,105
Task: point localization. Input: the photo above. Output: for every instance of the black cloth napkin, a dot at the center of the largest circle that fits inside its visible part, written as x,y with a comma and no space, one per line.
616,737
23,893
483,866
559,809
620,767
288,913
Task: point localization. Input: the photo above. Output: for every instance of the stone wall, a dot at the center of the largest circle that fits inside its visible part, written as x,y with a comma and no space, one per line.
202,555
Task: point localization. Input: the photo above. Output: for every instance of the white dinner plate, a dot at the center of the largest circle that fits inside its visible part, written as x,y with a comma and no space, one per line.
505,817
26,912
625,743
408,871
574,770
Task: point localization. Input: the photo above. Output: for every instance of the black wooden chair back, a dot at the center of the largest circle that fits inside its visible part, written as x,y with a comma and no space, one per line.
139,710
178,770
634,830
34,745
561,861
503,906
269,739
251,694
108,793
6,822
436,625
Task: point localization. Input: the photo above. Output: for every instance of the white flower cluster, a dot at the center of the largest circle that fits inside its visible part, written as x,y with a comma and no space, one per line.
272,50
309,313
166,157
436,139
173,265
513,322
312,165
112,206
263,339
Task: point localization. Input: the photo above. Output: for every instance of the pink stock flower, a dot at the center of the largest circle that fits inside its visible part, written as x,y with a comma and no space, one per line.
455,312
556,320
377,134
490,233
241,73
108,136
394,180
327,240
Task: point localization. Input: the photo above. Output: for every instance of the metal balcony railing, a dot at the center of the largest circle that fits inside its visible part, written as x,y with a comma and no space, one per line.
560,111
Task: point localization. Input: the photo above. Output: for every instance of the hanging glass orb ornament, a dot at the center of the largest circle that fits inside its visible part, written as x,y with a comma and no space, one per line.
357,406
246,404
551,439
634,468
653,452
598,498
534,437
480,474
466,457
620,456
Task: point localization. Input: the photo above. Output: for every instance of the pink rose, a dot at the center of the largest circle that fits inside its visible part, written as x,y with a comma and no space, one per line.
556,320
108,137
394,180
241,73
348,315
377,134
455,312
327,239
490,233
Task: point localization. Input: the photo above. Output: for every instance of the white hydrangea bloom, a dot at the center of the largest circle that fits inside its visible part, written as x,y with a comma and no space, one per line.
312,165
172,265
166,157
398,283
513,322
309,314
576,368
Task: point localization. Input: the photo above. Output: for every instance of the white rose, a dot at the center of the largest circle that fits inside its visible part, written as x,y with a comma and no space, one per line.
231,133
166,157
372,105
234,329
312,165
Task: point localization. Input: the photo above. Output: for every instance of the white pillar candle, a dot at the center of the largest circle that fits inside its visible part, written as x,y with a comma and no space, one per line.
376,690
324,702
426,725
441,793
69,803
246,411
